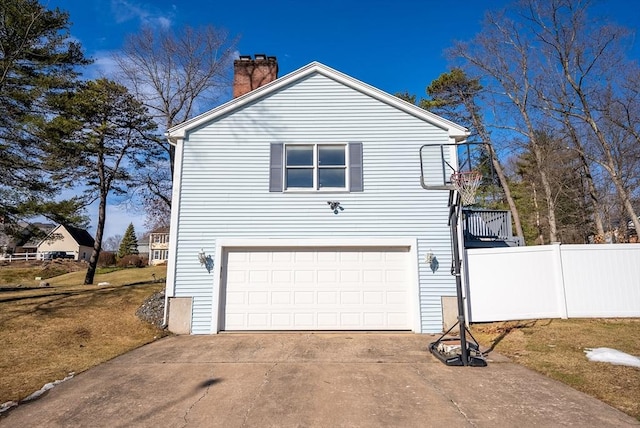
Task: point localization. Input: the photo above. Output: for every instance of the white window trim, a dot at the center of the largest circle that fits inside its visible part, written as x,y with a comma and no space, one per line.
316,169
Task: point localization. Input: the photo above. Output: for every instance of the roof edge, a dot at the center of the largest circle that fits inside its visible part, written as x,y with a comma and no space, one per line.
177,133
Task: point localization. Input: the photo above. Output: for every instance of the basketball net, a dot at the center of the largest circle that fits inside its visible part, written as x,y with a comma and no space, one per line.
466,183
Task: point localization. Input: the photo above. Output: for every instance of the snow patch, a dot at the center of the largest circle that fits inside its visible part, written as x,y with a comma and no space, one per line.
613,356
6,406
46,387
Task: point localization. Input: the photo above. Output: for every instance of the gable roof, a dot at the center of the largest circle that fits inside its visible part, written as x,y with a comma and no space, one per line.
178,132
81,236
33,234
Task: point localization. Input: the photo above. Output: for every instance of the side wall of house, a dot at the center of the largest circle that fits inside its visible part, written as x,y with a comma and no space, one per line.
225,186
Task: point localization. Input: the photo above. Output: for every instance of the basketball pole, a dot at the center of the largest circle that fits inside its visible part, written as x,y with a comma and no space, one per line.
470,354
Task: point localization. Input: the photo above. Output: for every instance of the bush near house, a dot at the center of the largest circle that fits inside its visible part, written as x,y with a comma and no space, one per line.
131,261
106,259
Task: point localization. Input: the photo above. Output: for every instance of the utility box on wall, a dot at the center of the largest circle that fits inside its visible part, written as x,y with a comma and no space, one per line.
450,313
180,315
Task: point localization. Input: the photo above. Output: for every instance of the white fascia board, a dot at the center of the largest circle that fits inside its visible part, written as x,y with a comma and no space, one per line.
457,132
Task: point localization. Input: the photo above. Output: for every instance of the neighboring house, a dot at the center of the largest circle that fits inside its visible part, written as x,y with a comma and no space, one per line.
71,240
29,237
298,206
159,246
143,249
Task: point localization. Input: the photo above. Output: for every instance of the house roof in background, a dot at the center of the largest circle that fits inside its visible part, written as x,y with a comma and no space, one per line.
34,233
163,229
81,236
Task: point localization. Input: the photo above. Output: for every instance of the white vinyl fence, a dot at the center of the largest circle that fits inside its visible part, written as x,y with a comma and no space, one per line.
553,281
21,257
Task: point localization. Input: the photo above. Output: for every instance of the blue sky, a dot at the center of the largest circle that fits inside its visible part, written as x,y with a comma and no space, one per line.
395,46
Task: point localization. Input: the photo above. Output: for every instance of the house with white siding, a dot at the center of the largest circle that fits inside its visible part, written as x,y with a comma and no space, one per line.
298,206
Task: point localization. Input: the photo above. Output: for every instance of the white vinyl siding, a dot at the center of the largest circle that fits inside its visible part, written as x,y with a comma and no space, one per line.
224,187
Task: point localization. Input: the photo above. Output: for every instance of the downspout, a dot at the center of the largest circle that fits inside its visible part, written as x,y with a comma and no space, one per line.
173,226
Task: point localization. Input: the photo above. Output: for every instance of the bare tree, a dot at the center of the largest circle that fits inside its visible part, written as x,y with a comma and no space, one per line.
455,91
589,59
176,75
553,70
112,243
502,53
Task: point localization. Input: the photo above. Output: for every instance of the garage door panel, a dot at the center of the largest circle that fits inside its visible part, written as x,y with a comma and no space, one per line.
270,289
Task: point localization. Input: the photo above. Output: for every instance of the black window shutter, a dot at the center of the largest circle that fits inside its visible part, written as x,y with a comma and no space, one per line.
275,167
355,168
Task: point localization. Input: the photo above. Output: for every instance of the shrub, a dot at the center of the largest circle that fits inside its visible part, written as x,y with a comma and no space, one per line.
131,261
107,258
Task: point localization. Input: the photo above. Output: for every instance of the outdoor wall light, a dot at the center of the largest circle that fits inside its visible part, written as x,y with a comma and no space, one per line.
205,260
335,206
432,261
429,256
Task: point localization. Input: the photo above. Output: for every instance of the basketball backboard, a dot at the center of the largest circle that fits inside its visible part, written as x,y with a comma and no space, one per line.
438,162
442,166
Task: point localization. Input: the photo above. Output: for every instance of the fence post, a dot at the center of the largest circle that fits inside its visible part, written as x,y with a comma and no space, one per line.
561,295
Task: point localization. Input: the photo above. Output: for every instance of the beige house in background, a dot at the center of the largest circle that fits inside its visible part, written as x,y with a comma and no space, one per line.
71,240
159,246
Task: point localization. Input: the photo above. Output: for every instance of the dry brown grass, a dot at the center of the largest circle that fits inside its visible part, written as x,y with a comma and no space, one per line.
556,349
47,333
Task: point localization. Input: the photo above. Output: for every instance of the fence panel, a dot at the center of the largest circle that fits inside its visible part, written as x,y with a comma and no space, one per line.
512,283
21,257
553,281
602,280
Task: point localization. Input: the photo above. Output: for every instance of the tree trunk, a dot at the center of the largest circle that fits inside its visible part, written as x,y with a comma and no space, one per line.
548,193
507,193
540,237
484,135
591,187
97,246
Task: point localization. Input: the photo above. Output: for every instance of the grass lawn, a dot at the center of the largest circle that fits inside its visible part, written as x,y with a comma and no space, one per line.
556,348
47,333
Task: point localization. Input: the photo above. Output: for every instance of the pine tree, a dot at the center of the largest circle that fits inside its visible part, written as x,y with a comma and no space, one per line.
129,243
38,58
101,136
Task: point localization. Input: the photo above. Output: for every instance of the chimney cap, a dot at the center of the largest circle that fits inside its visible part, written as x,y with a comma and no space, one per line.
245,57
260,57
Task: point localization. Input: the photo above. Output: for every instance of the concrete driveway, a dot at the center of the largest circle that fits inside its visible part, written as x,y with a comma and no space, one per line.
308,380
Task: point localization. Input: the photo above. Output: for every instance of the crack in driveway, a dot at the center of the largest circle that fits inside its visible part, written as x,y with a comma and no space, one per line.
443,394
265,381
186,413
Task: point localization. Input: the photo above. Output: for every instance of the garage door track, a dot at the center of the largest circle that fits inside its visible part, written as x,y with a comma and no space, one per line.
308,380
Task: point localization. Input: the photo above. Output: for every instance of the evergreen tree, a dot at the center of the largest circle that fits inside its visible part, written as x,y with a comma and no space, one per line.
101,136
37,58
129,243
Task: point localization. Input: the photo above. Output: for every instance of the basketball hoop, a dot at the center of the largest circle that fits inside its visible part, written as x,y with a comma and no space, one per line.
466,183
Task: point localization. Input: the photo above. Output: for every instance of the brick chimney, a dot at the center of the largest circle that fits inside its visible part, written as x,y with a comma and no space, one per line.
250,74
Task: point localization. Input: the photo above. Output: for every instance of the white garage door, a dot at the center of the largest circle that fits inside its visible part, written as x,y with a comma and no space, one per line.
316,289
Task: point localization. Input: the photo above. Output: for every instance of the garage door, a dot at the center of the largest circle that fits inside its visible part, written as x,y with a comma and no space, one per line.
316,289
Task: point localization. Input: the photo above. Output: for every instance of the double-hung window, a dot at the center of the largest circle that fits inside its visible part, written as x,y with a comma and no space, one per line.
315,167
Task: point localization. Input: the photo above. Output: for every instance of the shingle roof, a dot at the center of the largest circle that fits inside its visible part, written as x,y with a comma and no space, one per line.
81,236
